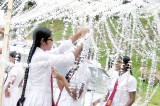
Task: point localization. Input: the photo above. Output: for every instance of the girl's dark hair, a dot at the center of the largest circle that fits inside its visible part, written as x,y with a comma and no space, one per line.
126,61
14,54
38,34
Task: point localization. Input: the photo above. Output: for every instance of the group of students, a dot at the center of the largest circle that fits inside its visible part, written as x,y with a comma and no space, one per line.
38,82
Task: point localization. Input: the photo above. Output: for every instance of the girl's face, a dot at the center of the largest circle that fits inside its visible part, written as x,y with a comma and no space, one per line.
11,59
117,66
47,45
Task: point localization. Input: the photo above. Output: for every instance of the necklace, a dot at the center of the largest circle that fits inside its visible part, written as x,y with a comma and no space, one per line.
71,72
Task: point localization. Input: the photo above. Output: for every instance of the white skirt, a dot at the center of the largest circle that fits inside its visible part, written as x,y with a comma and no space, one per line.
38,98
69,103
67,100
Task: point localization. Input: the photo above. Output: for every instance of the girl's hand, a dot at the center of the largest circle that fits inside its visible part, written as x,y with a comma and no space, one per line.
79,34
7,93
95,102
57,74
83,32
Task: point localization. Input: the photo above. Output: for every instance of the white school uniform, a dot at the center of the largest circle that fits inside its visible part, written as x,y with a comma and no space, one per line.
15,90
38,91
126,83
82,75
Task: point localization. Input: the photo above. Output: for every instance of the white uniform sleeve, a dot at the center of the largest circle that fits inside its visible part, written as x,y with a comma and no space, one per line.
66,59
132,84
64,46
14,71
106,86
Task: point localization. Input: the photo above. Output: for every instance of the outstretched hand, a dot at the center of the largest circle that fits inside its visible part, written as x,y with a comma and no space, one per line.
82,36
83,32
79,35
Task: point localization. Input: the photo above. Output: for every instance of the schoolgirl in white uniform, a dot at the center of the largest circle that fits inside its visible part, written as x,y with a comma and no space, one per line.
126,89
37,77
12,85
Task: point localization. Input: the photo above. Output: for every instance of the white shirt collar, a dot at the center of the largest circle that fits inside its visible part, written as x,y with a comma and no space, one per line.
39,49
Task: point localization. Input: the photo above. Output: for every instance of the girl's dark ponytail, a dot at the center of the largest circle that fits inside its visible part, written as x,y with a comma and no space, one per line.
22,99
38,34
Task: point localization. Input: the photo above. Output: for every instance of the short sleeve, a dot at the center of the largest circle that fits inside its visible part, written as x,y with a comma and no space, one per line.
105,88
66,59
132,84
14,71
45,58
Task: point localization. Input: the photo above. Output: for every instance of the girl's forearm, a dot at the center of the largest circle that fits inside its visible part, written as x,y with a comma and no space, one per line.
75,37
60,84
130,102
71,91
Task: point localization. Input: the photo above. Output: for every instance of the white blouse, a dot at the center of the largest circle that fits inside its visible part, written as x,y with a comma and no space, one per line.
15,89
126,83
38,91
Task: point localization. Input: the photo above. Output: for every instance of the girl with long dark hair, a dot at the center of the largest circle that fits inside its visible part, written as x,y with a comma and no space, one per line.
37,78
